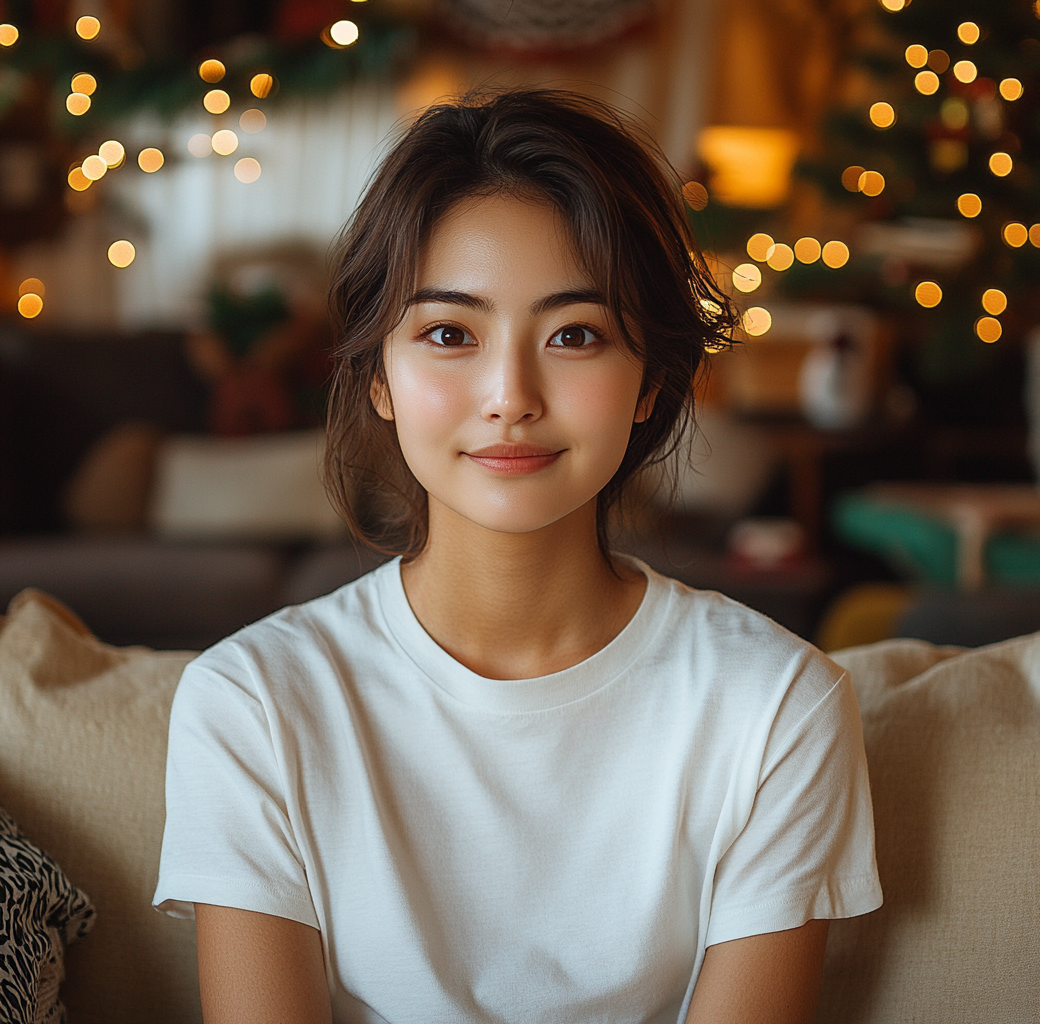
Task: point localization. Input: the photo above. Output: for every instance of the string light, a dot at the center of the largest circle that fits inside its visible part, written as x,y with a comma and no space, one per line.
121,254
871,183
1015,234
893,5
938,60
807,250
882,115
112,152
252,121
94,168
77,103
988,329
224,142
216,101
994,301
1001,164
928,294
78,180
84,83
969,205
247,170
30,305
8,34
87,27
33,285
926,83
916,55
747,277
968,33
835,254
954,113
200,145
261,85
1034,236
1011,89
780,256
756,321
695,195
850,177
211,71
965,71
150,160
758,246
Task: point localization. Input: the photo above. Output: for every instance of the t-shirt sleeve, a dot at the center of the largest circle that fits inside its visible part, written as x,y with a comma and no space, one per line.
228,838
806,849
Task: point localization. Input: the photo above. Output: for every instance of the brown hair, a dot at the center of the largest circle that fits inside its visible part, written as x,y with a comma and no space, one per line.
622,203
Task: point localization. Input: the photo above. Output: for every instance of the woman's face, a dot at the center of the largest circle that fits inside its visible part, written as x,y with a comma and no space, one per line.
512,393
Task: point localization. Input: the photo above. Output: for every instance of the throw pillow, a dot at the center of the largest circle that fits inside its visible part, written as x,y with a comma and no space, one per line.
41,912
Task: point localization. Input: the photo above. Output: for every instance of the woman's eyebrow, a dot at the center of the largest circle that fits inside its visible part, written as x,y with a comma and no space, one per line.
581,296
450,298
574,297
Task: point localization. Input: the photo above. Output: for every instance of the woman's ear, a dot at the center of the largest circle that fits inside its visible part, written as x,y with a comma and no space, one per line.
380,395
645,405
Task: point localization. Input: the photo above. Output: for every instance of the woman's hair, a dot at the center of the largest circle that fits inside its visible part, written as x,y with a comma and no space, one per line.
622,203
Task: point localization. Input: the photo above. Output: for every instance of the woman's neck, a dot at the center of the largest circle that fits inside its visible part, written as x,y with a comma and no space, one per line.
515,606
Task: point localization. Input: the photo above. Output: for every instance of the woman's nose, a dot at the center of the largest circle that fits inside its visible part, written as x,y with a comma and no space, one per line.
513,393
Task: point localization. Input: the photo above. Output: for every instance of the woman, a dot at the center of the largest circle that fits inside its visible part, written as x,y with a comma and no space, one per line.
511,776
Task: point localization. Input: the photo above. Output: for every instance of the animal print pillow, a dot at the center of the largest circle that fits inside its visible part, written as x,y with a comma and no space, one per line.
41,912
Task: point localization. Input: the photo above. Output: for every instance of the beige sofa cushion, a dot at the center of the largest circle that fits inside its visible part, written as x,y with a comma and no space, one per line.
82,764
953,744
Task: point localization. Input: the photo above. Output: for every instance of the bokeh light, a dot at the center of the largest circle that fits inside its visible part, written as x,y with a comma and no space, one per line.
988,329
1011,89
112,152
216,101
928,294
247,170
780,256
969,205
78,180
916,55
30,305
34,285
871,183
150,160
758,246
252,121
87,27
994,301
200,145
695,195
968,33
756,321
8,34
84,83
965,71
121,254
807,249
882,115
1015,234
926,83
850,177
94,167
747,277
893,5
1034,236
211,71
225,142
835,254
954,113
343,33
77,103
1001,164
938,60
261,85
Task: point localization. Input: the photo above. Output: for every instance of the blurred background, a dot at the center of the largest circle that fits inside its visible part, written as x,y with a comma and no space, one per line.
863,176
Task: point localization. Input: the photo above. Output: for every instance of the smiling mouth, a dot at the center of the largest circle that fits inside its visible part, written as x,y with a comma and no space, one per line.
514,459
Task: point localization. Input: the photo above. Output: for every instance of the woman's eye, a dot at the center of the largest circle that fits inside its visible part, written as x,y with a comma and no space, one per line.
448,337
572,337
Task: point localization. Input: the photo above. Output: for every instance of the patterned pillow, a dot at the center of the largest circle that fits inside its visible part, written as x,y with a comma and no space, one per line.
41,912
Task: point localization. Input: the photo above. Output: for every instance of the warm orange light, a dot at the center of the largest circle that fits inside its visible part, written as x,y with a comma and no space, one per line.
938,60
1034,236
756,321
893,5
77,103
252,121
87,27
780,256
988,329
121,254
1011,89
211,71
926,83
94,167
78,180
261,85
30,305
969,205
928,294
916,55
882,115
247,170
1001,164
807,250
216,101
747,277
1015,234
954,113
150,160
871,183
968,33
695,195
965,71
758,246
850,177
8,34
343,33
835,254
34,285
994,301
750,167
225,142
112,153
84,83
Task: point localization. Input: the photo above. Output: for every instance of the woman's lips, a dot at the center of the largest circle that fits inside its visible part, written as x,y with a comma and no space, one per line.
514,459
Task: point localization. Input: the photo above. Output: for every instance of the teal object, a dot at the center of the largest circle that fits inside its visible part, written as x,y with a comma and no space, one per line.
925,549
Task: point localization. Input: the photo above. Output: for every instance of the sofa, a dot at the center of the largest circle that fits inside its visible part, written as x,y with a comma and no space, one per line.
953,744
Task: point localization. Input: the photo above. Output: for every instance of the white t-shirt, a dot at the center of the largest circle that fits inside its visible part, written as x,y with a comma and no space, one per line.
556,850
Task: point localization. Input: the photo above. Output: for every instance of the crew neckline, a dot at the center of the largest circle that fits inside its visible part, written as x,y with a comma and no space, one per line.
539,693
